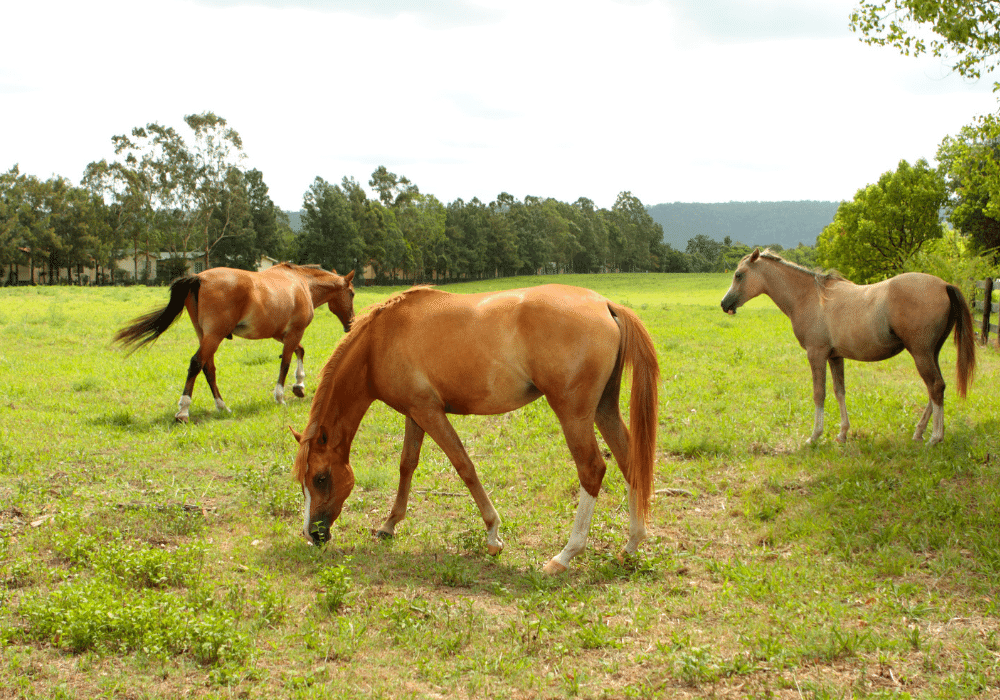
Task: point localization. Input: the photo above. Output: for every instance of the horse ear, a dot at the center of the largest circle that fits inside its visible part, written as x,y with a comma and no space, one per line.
349,276
297,435
754,255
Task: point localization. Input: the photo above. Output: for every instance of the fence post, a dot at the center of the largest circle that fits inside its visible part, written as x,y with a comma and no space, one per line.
987,309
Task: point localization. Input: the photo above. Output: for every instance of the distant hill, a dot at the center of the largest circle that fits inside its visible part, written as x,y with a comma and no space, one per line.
295,220
752,223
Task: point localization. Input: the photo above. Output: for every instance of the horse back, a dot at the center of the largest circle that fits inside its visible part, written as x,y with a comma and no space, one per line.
876,321
493,352
249,304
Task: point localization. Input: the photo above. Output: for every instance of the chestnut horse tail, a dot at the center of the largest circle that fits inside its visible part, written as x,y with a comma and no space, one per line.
636,349
145,329
965,339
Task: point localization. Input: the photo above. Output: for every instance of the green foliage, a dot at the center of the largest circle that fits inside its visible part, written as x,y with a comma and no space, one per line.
968,30
330,235
972,164
337,584
873,236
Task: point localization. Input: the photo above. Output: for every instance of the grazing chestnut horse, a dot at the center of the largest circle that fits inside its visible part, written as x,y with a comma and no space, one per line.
427,353
222,302
835,319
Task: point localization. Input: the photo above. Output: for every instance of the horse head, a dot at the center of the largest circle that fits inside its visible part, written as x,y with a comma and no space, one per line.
747,283
342,302
326,477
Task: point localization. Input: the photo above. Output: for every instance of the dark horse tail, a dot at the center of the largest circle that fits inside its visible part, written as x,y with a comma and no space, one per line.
965,339
145,329
636,349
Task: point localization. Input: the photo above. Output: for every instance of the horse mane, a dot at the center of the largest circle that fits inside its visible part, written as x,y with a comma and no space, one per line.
822,277
295,266
355,340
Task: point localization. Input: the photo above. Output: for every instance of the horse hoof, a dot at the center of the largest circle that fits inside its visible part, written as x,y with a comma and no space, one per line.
494,549
553,568
299,391
383,535
180,419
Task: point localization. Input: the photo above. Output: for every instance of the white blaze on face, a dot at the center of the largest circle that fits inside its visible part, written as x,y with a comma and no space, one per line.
305,517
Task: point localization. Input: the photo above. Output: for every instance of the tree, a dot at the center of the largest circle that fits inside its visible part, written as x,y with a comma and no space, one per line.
260,226
873,236
193,196
705,254
329,235
635,241
968,29
971,162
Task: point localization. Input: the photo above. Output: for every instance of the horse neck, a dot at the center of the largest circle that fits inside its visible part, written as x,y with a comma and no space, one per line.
343,393
321,287
789,287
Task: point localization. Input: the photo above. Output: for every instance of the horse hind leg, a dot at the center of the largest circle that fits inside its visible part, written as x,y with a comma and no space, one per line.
930,372
590,468
612,426
209,371
840,391
183,406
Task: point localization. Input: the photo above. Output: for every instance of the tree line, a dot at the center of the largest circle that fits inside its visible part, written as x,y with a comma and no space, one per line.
169,197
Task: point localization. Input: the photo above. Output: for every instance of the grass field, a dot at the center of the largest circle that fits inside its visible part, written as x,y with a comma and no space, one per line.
141,558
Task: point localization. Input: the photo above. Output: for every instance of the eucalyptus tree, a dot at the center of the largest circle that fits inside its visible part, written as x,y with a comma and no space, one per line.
193,196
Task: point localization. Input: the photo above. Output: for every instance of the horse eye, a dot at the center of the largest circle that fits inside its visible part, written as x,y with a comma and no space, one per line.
320,480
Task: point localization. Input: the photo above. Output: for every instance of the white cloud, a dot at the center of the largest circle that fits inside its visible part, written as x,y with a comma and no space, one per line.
673,101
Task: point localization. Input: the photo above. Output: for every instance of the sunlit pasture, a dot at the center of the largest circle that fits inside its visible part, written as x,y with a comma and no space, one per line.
144,558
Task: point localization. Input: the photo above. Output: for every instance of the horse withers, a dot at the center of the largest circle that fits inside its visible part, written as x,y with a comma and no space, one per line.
222,302
427,353
835,319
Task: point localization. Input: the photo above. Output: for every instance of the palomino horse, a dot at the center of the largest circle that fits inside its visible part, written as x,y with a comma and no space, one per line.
427,353
835,319
276,303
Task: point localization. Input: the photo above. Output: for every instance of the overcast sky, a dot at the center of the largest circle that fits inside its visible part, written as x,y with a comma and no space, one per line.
673,100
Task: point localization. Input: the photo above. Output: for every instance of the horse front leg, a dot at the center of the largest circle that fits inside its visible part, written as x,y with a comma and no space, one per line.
290,346
413,438
299,387
817,363
435,422
840,391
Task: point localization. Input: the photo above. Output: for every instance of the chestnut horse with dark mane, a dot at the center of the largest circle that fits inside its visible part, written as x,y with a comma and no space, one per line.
427,353
835,319
222,302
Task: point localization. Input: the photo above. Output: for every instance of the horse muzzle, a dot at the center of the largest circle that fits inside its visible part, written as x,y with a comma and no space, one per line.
319,532
729,305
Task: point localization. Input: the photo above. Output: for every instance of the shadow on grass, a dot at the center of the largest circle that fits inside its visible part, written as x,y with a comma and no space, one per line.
378,562
127,421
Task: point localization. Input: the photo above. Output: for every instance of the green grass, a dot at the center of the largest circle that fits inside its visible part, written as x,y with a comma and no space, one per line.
142,558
